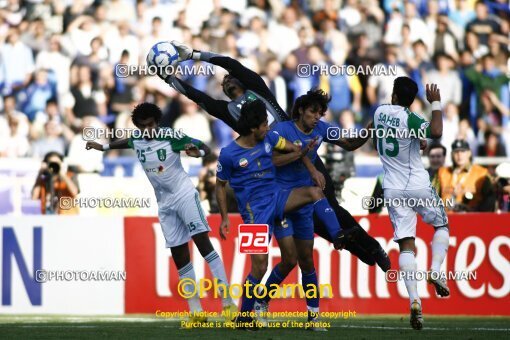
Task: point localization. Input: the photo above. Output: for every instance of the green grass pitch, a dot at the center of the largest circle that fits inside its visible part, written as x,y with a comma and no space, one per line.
150,327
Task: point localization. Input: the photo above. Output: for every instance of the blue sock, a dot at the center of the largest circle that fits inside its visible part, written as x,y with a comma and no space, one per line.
246,302
327,216
275,277
310,282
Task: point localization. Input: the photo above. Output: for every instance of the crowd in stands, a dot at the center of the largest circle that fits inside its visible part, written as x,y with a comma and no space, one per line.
58,60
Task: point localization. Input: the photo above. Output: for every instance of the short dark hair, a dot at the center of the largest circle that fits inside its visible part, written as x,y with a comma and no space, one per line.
315,98
253,113
209,158
418,42
9,96
144,111
439,55
436,145
405,89
487,56
51,154
52,100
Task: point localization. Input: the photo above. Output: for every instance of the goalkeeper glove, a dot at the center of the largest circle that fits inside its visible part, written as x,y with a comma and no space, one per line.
185,52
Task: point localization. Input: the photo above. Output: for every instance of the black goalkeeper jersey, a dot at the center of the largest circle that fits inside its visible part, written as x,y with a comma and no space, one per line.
230,111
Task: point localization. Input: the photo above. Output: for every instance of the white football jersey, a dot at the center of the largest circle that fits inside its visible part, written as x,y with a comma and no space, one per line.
161,161
398,132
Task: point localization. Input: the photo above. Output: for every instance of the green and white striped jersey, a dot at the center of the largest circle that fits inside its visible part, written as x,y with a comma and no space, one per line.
398,132
161,161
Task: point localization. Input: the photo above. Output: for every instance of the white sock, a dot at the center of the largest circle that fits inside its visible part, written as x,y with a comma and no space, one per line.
312,309
440,243
218,271
407,263
187,272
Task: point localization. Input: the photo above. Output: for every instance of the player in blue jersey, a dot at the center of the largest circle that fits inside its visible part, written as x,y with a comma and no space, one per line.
247,165
296,234
242,85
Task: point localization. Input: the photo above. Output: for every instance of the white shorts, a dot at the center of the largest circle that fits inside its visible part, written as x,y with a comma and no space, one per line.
185,219
425,202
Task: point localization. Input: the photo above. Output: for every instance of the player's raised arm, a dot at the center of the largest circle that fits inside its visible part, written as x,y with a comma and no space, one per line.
215,107
118,144
436,123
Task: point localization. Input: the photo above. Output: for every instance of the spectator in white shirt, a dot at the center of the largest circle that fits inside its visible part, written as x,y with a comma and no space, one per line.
275,82
193,122
447,79
283,38
16,144
123,40
450,124
17,63
55,60
380,86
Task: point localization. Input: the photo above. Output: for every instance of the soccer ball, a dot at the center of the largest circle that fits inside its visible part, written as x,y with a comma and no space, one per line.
162,54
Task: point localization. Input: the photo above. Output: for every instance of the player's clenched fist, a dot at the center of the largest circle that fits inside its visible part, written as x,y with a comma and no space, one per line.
192,150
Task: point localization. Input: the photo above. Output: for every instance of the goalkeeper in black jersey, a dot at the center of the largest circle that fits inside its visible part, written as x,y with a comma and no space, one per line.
242,85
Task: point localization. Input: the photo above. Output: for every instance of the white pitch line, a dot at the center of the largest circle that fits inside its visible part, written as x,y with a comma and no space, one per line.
74,319
333,326
425,328
20,320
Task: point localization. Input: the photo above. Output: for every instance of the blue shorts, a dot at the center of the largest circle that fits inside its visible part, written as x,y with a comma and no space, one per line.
266,210
298,223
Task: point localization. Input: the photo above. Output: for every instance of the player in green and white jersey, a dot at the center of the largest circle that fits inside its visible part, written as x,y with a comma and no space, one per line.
180,214
406,184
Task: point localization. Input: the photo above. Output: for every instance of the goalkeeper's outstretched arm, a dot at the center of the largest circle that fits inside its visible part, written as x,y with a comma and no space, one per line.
247,77
215,107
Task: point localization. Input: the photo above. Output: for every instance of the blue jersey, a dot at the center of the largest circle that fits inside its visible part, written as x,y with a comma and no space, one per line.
250,171
295,174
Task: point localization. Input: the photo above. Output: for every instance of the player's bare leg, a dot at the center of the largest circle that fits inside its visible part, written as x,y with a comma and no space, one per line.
181,257
440,243
407,264
217,268
258,269
321,208
280,271
309,282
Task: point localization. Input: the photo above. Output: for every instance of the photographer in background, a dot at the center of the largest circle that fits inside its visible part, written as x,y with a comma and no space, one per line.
503,187
207,186
468,184
52,184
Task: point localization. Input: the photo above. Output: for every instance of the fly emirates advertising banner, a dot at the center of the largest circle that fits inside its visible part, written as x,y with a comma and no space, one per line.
108,266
